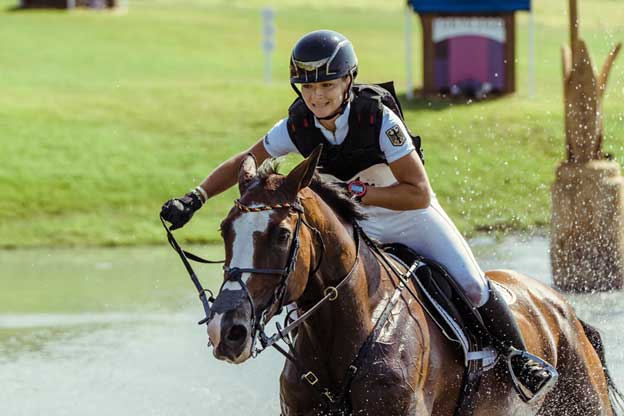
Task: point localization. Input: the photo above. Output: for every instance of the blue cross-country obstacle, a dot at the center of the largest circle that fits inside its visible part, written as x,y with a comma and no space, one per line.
469,45
469,6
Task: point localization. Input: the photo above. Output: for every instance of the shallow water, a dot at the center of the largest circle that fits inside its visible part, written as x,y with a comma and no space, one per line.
153,360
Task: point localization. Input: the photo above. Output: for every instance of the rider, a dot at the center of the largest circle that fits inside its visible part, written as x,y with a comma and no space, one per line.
367,145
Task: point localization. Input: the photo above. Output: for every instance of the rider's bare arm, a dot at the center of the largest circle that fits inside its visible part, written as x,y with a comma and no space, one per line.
412,191
226,174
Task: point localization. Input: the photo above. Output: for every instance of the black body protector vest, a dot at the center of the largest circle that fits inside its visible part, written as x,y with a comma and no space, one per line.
360,149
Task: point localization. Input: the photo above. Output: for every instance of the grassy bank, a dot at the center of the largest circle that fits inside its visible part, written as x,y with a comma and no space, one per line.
103,116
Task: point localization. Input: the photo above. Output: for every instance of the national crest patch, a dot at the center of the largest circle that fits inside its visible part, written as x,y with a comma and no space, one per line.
395,135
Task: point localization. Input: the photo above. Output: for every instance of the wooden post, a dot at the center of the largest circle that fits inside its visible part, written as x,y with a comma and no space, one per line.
573,23
510,52
587,241
428,62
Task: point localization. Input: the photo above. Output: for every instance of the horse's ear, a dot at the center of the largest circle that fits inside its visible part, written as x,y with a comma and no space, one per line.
302,174
247,171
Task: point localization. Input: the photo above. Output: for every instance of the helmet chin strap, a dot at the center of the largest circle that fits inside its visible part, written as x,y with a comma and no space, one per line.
294,87
340,109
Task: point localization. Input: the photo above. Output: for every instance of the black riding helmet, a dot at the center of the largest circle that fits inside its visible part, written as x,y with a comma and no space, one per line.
323,55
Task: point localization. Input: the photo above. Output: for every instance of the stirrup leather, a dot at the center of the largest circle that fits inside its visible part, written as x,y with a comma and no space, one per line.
525,393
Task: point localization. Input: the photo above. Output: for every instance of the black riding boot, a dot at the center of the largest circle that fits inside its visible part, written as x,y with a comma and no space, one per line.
532,376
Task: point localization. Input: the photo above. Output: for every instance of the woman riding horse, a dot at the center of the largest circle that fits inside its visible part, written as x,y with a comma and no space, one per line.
368,145
366,344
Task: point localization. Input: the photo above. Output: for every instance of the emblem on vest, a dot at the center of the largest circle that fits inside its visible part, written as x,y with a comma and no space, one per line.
395,135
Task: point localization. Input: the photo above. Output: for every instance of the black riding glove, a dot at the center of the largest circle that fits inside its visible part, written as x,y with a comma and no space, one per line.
178,211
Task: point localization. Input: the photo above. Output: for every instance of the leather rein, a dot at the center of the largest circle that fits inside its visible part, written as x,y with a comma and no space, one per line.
335,403
234,274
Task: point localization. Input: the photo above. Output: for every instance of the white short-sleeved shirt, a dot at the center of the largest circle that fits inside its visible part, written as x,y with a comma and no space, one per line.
394,142
429,231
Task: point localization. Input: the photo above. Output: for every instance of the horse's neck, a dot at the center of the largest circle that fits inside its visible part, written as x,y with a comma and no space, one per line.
330,340
334,335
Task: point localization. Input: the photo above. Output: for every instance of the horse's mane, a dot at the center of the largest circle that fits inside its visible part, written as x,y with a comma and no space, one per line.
333,193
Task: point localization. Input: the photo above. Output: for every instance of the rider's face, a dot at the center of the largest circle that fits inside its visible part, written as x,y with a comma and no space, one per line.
324,98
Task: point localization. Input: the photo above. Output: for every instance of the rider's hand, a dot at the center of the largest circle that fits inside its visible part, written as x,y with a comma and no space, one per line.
178,211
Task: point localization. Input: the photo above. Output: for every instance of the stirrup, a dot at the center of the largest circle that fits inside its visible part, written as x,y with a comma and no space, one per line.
525,393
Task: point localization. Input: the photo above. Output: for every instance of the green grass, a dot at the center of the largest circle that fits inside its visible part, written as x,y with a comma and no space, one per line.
103,116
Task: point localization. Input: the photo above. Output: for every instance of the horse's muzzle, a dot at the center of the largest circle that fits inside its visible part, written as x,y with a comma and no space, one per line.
234,345
229,327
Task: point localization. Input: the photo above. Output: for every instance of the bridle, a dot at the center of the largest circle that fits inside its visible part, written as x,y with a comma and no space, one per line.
234,274
333,404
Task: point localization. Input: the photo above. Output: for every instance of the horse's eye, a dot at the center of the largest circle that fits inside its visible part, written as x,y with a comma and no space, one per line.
283,235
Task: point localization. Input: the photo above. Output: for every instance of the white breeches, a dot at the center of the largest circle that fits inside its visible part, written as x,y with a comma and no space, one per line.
432,234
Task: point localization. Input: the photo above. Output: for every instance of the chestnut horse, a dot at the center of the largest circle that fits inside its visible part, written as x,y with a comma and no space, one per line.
285,243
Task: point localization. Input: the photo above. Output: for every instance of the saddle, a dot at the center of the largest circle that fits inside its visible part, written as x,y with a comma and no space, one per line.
447,306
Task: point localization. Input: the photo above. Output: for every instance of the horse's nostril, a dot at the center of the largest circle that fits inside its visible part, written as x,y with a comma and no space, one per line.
237,333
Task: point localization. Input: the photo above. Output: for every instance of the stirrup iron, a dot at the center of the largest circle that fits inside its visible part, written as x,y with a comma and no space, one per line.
524,392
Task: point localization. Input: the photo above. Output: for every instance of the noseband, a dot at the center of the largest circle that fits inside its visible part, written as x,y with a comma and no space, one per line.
235,274
225,301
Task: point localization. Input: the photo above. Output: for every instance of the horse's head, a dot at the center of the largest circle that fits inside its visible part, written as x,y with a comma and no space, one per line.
264,240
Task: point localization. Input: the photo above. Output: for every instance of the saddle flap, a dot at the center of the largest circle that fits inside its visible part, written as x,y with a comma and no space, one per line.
447,306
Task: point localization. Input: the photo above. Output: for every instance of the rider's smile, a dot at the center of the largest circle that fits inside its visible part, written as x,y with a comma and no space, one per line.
324,98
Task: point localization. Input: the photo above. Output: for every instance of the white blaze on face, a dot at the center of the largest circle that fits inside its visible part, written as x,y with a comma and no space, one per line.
244,228
243,246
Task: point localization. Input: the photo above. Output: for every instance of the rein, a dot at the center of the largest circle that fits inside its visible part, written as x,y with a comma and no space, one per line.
335,405
330,293
235,274
185,256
